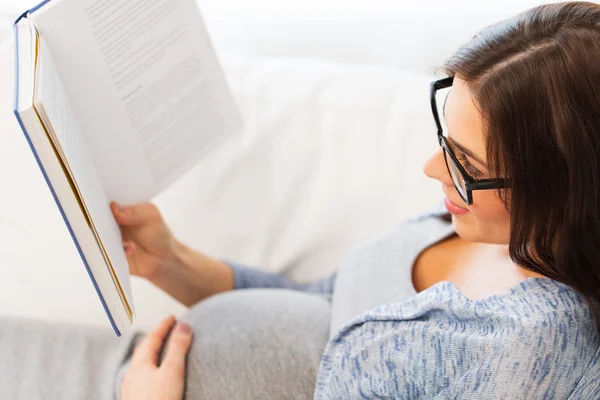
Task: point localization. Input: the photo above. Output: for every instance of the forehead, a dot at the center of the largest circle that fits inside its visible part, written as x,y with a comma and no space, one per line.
463,119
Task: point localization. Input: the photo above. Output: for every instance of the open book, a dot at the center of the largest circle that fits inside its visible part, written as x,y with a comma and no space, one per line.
117,99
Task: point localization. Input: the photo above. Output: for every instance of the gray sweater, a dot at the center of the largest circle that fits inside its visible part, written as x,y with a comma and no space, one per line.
536,341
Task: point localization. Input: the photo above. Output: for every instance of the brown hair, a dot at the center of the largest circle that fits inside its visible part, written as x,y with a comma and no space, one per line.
536,81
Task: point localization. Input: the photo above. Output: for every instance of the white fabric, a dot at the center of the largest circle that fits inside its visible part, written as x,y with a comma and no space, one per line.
409,34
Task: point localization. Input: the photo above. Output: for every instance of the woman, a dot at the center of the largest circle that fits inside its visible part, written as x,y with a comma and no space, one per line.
505,297
494,297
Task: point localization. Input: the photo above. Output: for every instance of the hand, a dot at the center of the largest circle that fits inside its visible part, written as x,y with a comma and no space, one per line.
145,380
147,240
188,275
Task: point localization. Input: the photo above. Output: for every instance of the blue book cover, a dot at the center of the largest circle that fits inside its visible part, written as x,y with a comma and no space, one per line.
41,166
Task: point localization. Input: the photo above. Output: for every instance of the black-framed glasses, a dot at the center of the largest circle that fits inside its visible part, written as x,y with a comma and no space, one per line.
463,182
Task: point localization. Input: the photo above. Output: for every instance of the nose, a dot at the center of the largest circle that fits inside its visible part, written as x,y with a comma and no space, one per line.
435,167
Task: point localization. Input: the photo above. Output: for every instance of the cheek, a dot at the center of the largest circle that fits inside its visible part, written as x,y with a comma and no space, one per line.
488,208
488,221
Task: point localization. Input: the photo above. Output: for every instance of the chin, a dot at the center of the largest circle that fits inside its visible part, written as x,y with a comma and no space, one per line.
463,229
471,231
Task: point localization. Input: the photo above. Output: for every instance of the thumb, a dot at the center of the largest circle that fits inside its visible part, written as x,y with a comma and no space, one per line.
179,344
134,215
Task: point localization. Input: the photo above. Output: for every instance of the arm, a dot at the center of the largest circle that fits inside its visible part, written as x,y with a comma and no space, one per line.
393,359
370,359
508,376
186,274
191,276
196,276
247,278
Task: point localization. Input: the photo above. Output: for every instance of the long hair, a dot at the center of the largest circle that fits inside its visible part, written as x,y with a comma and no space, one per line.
536,81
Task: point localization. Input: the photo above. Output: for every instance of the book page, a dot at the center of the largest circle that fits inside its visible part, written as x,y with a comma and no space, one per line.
55,111
145,83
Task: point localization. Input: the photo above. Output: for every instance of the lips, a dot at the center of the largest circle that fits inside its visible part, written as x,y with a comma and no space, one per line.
453,208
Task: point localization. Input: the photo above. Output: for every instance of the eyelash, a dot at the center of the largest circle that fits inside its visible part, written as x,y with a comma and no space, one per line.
471,170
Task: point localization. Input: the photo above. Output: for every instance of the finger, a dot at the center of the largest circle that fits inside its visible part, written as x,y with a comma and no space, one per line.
130,254
147,351
178,347
134,215
117,209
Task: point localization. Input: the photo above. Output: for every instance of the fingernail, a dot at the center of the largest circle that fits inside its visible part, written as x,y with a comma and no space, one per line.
120,208
184,328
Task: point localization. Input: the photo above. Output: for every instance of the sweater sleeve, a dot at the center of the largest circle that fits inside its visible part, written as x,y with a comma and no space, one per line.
371,360
366,361
510,377
249,278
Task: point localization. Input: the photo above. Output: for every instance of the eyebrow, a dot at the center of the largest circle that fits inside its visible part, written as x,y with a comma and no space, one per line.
468,152
458,145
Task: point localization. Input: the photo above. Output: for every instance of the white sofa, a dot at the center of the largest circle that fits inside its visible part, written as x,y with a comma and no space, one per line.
335,99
